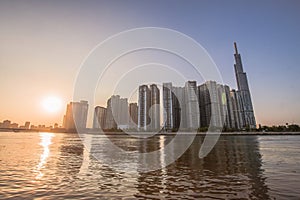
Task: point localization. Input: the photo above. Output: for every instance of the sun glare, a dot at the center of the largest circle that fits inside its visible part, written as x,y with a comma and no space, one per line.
52,104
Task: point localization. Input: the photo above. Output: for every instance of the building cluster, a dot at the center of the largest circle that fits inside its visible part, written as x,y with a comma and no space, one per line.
46,128
206,105
210,104
184,108
7,124
119,114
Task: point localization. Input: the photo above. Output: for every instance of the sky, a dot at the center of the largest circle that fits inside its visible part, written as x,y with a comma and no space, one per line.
44,43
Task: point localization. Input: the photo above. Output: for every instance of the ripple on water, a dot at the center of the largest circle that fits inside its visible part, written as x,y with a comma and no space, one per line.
58,166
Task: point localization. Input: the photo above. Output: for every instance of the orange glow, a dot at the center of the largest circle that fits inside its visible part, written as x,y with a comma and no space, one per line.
52,104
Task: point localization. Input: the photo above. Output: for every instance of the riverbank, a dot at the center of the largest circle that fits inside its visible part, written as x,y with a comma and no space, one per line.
191,133
94,132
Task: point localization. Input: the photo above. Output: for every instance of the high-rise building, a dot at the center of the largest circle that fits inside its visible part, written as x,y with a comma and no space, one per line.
248,119
117,113
168,106
174,107
223,105
181,107
143,108
192,113
216,105
236,109
99,117
110,122
154,108
149,108
123,121
204,100
76,116
209,105
133,116
230,123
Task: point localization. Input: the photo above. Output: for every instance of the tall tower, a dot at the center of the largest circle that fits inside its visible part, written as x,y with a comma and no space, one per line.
117,113
149,108
155,107
248,118
99,117
168,106
143,108
191,105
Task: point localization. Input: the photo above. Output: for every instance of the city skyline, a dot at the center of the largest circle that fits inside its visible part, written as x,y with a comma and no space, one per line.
184,108
144,99
238,100
210,105
40,57
191,107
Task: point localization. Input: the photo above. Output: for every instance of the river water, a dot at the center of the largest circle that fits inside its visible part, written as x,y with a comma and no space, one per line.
60,166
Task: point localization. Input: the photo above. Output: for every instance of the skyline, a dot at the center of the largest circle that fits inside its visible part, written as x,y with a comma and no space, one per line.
40,57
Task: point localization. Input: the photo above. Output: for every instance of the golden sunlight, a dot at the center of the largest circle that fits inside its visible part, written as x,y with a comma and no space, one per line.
52,104
46,141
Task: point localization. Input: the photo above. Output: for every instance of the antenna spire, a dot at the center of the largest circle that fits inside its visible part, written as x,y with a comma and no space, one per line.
235,47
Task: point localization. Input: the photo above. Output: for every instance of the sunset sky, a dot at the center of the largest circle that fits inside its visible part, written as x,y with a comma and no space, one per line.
44,43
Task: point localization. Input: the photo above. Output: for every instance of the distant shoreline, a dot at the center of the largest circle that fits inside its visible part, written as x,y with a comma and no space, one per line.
204,133
149,133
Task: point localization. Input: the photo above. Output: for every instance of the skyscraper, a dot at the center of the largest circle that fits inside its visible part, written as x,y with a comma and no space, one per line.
174,107
223,105
123,121
133,116
99,117
154,108
236,109
168,106
230,117
248,118
192,113
110,122
149,108
143,109
117,113
76,116
181,107
210,105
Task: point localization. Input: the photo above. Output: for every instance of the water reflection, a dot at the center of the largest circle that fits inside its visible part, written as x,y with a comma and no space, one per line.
58,166
231,170
45,142
87,140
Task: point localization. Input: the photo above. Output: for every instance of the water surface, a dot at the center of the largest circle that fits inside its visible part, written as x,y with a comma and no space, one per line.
59,166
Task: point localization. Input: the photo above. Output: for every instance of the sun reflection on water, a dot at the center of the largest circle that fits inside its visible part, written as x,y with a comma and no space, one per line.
45,142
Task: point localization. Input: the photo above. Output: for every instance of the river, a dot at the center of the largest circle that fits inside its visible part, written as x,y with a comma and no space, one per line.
66,166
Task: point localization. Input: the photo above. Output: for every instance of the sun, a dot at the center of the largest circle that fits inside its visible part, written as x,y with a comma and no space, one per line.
52,104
